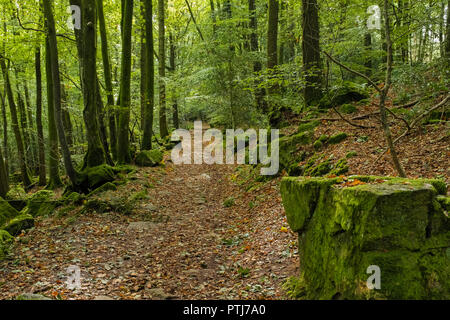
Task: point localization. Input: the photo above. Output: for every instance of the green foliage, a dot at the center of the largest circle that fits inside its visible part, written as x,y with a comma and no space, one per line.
229,202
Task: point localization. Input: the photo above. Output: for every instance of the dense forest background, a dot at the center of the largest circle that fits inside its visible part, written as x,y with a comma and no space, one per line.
94,83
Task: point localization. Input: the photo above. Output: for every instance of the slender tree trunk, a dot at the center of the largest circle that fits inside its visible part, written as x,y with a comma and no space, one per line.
385,91
95,154
4,183
447,36
108,80
5,133
311,52
125,82
172,59
272,58
260,93
163,130
15,125
53,155
66,117
54,62
149,96
368,58
40,131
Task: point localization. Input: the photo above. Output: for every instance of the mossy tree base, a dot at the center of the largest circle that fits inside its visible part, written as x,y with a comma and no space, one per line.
344,227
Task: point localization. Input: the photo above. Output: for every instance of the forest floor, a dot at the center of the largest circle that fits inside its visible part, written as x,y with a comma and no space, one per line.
183,242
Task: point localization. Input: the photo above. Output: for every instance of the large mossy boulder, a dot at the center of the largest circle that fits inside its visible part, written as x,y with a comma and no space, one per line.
21,222
7,212
345,93
347,225
5,241
41,203
97,176
149,158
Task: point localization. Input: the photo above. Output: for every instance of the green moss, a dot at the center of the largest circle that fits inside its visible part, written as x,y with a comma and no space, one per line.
106,187
95,177
351,154
6,212
5,242
348,109
40,204
337,138
323,138
149,158
345,93
344,230
16,192
73,197
19,223
309,126
318,145
290,148
340,167
229,202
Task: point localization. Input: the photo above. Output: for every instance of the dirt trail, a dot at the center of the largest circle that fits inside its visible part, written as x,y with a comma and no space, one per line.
181,243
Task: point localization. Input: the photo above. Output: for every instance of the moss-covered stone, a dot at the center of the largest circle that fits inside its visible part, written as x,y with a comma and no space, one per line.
106,187
149,158
95,177
21,222
351,154
7,212
73,197
344,230
337,138
348,108
5,242
318,145
291,148
346,93
40,203
309,126
341,167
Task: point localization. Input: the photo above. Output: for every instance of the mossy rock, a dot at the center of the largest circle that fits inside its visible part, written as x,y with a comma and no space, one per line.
149,158
95,177
16,192
291,148
106,187
393,224
40,203
19,223
348,108
318,145
309,126
5,242
345,93
341,167
7,212
337,138
351,154
73,197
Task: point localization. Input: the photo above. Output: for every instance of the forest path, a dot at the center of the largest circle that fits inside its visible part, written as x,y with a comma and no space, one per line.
180,243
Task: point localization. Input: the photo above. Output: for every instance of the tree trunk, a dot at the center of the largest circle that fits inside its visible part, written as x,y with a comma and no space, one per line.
4,184
5,133
125,82
15,125
272,59
95,154
311,52
260,93
173,55
108,80
368,57
54,63
447,36
40,131
163,130
149,96
53,158
385,91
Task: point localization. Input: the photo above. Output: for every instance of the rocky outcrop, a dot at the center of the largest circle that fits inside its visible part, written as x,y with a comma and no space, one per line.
346,225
